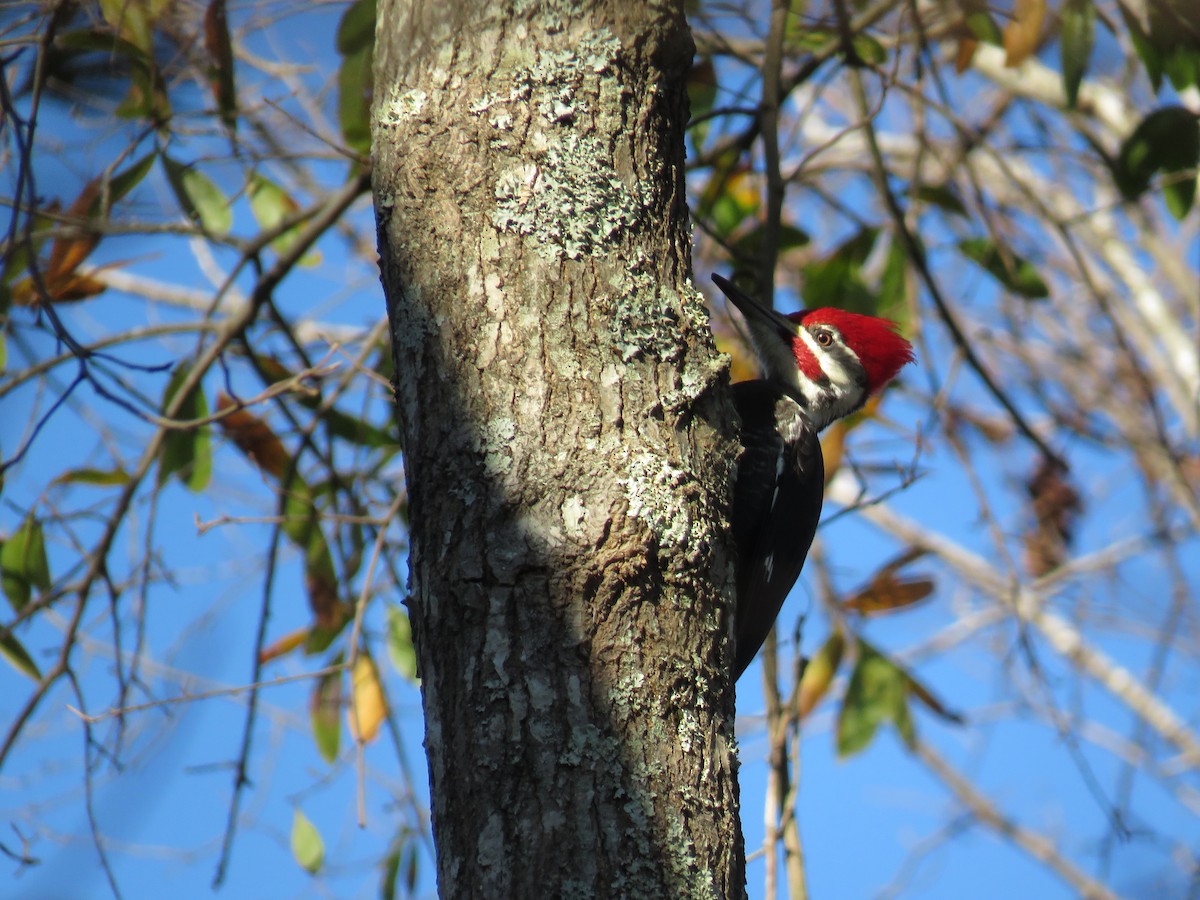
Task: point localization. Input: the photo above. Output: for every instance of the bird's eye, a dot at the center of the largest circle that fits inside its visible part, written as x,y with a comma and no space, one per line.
824,338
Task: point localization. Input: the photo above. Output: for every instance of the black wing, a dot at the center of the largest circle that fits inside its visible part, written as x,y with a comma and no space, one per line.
777,504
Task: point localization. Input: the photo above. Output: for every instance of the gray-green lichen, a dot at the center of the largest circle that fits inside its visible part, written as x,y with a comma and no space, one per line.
571,201
653,491
403,105
691,880
694,307
553,78
643,322
567,194
690,731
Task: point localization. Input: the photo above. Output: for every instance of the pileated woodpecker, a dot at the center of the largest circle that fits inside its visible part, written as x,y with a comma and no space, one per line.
817,366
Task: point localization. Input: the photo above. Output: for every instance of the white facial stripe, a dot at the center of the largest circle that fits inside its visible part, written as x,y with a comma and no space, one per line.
837,374
813,393
842,394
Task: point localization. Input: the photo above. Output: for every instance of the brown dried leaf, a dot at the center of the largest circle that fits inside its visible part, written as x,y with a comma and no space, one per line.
67,253
293,640
888,594
253,437
966,52
220,55
931,702
329,613
1056,507
75,287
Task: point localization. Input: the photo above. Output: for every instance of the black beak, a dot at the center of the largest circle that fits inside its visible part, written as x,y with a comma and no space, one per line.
753,310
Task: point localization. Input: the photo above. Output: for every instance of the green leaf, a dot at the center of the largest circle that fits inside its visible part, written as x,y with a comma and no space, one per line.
201,200
93,476
404,857
877,692
702,94
790,238
99,40
129,178
869,49
355,43
355,430
399,644
307,847
1182,66
354,100
147,97
943,196
983,27
1179,193
1174,30
391,869
339,424
736,199
801,36
320,638
18,657
299,512
1167,141
271,206
1078,33
1145,49
837,279
325,712
269,202
412,860
23,563
893,286
318,562
301,524
186,453
132,20
356,30
1015,273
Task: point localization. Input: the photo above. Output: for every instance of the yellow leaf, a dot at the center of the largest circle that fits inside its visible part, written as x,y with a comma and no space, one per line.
833,446
368,708
284,645
742,365
1024,32
819,673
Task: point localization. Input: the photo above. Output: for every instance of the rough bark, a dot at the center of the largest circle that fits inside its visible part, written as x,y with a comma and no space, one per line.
565,427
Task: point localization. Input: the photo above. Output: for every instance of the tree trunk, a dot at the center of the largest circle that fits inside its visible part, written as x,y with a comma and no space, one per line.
566,433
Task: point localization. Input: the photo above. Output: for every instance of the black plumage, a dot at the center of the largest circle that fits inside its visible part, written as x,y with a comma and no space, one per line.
776,506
